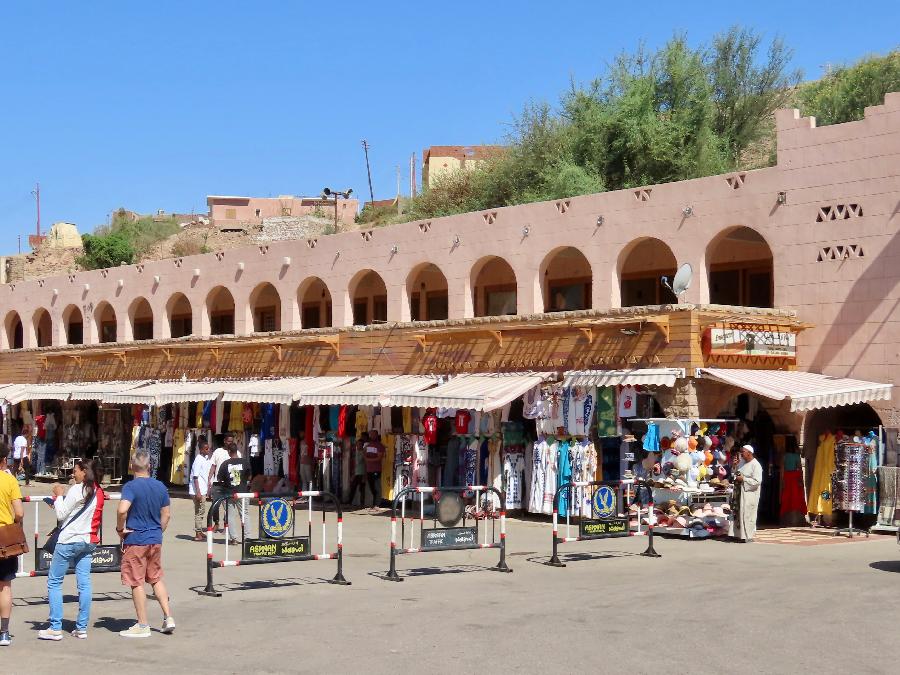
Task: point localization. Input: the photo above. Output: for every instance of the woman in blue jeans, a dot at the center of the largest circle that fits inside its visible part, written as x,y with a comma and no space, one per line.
79,513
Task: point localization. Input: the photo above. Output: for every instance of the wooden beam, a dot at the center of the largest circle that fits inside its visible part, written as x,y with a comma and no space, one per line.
216,353
588,334
663,326
76,358
279,351
422,340
333,341
122,356
45,362
498,336
168,353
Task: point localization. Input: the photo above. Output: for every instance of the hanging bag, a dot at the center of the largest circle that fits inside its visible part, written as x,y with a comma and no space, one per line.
12,541
53,537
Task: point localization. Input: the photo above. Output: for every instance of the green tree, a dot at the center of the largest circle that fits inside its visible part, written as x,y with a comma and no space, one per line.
843,94
108,250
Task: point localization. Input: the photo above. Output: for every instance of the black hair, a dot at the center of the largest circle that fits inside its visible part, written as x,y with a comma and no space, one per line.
91,481
202,442
4,452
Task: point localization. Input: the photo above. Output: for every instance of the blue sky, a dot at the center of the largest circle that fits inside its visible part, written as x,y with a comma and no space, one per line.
156,105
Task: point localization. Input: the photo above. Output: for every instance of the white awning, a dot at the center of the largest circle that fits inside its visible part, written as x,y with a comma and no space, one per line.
37,392
7,391
95,391
283,391
167,392
664,377
806,391
371,390
473,392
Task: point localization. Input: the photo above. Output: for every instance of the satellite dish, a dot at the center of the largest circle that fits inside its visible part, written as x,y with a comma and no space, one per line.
682,280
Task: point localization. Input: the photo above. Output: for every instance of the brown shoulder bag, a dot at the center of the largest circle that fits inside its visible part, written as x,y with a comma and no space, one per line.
12,541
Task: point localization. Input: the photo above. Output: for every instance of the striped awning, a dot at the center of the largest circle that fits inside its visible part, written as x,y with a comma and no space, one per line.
41,392
663,377
162,393
284,391
806,391
473,392
7,391
371,390
95,391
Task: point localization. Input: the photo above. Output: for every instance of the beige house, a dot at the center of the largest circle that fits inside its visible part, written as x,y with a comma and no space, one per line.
440,159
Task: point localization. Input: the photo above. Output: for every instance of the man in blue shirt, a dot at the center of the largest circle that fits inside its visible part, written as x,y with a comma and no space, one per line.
142,518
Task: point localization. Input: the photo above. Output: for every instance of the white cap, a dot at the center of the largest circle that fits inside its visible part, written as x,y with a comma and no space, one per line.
748,448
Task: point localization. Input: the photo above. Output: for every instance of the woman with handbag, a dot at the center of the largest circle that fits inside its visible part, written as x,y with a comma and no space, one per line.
72,543
12,540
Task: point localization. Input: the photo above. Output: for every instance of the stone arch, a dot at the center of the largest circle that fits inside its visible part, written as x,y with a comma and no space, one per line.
42,324
427,293
566,280
140,316
179,314
265,308
106,328
641,266
494,287
314,301
73,325
13,331
219,308
368,298
740,268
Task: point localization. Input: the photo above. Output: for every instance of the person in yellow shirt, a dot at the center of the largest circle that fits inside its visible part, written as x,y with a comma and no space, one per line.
11,511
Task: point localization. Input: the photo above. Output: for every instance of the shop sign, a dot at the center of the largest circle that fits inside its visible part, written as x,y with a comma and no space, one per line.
449,538
750,340
103,559
603,529
276,518
292,547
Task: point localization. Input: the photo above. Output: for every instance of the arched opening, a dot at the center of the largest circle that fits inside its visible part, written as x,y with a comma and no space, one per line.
426,288
43,328
13,330
641,267
265,305
368,298
141,316
180,315
566,281
73,321
105,320
740,269
220,308
493,287
314,300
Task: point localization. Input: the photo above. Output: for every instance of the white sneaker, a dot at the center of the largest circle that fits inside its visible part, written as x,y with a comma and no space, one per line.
50,634
80,634
168,626
136,631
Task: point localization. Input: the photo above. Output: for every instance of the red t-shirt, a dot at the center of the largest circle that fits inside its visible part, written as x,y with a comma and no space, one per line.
342,421
374,455
462,421
431,424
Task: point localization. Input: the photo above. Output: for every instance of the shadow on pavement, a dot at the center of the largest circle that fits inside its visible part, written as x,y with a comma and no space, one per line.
34,601
261,584
886,565
114,625
432,571
582,557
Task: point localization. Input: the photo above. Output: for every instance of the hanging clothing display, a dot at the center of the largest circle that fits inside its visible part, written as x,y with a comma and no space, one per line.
820,502
514,473
628,401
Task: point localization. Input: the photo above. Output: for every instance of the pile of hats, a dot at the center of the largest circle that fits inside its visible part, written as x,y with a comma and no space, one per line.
688,462
707,520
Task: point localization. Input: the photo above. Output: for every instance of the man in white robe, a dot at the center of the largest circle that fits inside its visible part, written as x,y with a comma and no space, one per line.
747,482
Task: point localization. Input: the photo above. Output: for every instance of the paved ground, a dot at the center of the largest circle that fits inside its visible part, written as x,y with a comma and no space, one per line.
704,607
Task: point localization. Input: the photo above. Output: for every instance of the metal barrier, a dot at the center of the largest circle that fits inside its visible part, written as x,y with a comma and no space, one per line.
448,538
608,521
104,558
276,519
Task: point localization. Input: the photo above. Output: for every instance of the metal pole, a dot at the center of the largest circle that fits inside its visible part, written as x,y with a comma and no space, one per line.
335,214
365,145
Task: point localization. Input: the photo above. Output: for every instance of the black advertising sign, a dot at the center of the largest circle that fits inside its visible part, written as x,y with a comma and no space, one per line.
104,559
449,538
293,547
603,529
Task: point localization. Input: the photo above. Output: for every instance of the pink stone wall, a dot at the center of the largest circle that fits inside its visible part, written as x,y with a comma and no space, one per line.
852,299
244,209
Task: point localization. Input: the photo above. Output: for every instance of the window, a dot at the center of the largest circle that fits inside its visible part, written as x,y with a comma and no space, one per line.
569,296
265,319
312,316
76,333
500,301
108,332
143,330
221,324
360,312
379,309
637,292
230,214
181,326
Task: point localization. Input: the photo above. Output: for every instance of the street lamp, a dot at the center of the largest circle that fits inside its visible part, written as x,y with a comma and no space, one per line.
328,192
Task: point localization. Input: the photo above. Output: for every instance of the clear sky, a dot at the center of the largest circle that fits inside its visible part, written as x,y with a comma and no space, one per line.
155,105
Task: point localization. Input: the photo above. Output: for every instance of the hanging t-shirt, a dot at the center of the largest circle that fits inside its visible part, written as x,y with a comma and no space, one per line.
461,421
342,422
431,424
628,401
362,423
